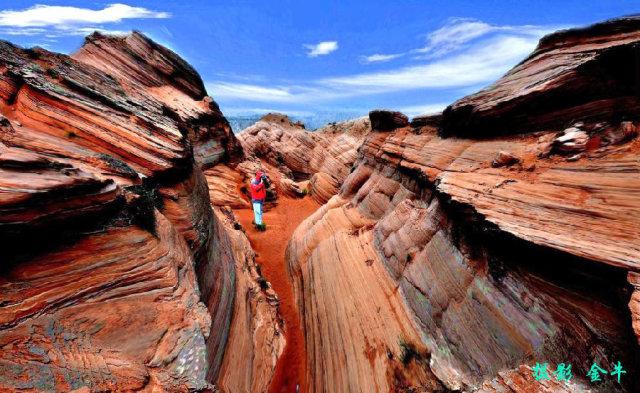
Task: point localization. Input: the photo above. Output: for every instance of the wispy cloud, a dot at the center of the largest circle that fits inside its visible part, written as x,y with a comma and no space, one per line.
462,55
457,34
379,58
313,91
428,109
66,20
453,35
480,64
249,92
321,48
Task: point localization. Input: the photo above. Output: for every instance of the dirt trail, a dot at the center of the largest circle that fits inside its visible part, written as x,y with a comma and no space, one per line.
270,248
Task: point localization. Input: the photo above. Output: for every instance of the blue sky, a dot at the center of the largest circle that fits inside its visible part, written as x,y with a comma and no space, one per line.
305,57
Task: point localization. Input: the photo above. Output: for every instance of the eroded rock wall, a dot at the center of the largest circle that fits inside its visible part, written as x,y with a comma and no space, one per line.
587,74
256,338
105,220
256,331
469,260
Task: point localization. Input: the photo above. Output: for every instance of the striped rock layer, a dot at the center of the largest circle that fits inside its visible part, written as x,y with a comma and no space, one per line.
440,265
105,222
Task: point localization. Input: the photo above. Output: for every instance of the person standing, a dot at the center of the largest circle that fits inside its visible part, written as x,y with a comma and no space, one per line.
259,186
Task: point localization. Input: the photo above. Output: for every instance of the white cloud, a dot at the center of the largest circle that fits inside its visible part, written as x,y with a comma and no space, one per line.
427,109
480,65
322,48
475,55
66,20
483,63
249,92
458,32
379,58
53,34
23,31
83,31
46,15
454,34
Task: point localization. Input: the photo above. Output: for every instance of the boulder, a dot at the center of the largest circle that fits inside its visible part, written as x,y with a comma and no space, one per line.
572,140
504,158
383,120
427,121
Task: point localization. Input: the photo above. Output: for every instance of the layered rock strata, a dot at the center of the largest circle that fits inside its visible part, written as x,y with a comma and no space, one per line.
324,157
435,268
105,220
256,339
452,253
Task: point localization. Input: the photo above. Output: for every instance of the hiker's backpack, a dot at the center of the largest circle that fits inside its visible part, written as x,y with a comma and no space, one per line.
258,190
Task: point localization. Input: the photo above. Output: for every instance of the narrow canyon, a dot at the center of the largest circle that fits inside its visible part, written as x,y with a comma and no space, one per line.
453,252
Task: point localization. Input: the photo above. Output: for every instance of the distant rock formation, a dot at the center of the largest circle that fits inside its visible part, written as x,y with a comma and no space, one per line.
323,157
427,120
383,120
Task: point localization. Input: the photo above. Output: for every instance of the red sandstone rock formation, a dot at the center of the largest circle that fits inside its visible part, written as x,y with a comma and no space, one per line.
105,222
265,351
445,257
434,269
297,161
256,338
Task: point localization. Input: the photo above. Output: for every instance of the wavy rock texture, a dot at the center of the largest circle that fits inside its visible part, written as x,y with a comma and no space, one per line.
452,252
324,156
256,340
265,351
105,220
151,69
258,334
435,269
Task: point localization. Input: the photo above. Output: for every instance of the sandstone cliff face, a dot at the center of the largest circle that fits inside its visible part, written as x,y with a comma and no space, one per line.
256,338
105,220
265,351
456,263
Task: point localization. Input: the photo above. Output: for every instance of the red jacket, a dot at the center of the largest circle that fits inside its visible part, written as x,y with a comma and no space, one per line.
258,190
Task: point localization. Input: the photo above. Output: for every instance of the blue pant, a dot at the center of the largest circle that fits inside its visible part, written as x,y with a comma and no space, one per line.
257,212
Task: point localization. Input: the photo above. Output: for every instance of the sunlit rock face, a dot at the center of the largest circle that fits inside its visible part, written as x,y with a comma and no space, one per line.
442,265
105,220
